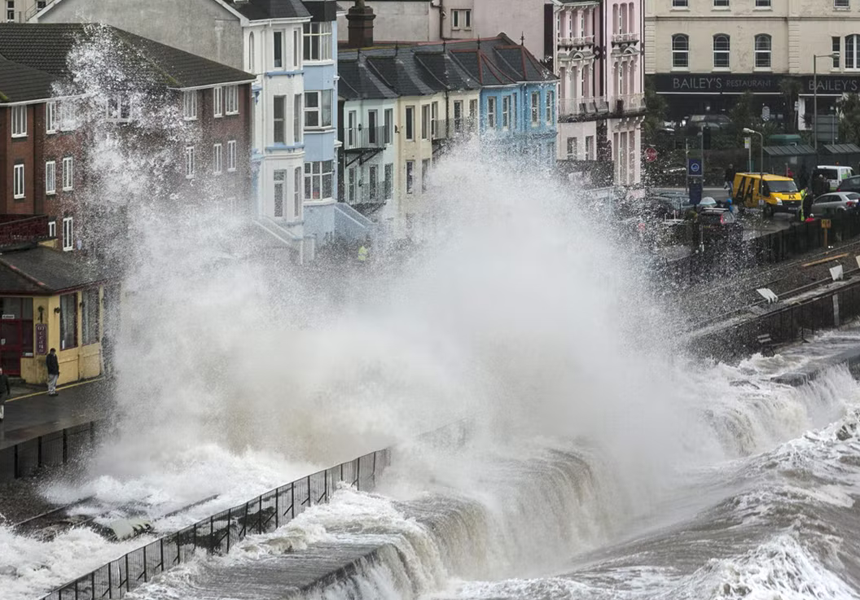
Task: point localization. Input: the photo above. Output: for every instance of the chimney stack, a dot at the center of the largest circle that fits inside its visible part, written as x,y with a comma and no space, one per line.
360,19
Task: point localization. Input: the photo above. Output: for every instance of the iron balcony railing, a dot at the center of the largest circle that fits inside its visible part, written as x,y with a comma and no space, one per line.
367,138
618,38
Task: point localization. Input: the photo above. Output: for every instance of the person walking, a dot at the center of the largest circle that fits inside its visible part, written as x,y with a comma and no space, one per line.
5,392
820,186
363,254
729,178
53,365
807,204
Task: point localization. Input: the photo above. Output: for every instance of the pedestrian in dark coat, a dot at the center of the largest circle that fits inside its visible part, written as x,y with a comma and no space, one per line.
5,392
52,363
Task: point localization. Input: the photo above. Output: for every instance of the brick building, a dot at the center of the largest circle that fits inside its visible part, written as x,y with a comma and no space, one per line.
173,123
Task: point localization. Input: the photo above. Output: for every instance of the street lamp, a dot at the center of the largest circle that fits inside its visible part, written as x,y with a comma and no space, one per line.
747,130
815,58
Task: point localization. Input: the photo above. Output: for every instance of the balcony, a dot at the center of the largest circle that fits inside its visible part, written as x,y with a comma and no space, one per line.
360,139
583,106
17,229
623,38
576,42
629,103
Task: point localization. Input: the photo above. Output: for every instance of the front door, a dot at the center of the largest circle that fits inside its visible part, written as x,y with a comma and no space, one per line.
11,346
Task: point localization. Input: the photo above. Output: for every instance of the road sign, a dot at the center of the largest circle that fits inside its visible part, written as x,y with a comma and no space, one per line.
650,154
694,167
825,223
747,143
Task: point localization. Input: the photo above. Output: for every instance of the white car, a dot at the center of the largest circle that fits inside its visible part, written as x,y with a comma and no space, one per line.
835,203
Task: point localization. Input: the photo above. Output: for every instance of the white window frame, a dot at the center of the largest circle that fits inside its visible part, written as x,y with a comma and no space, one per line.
721,52
841,4
18,187
68,234
410,176
298,190
231,100
506,112
461,19
492,121
218,101
217,159
279,123
721,4
279,178
118,108
51,117
68,116
19,121
320,172
852,52
409,126
319,110
189,162
680,54
535,109
278,38
231,156
52,228
298,118
50,177
679,4
388,181
425,122
550,105
317,41
762,4
764,52
189,105
388,125
68,174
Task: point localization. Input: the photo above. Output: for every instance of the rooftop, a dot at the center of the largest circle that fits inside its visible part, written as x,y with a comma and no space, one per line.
42,271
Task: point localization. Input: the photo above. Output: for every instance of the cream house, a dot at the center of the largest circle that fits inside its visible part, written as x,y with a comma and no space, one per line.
701,54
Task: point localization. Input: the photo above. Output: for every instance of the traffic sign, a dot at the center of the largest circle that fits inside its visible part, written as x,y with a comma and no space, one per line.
694,167
747,143
650,154
825,223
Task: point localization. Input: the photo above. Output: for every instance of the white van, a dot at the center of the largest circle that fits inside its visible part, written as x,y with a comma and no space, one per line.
833,174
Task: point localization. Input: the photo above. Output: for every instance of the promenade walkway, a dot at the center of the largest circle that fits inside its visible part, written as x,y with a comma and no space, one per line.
31,412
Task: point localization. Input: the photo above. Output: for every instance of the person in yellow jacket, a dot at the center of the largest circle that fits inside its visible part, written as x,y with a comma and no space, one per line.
363,254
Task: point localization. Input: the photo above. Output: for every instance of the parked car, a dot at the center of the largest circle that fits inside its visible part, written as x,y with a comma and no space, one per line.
851,184
774,194
835,203
719,223
696,123
834,175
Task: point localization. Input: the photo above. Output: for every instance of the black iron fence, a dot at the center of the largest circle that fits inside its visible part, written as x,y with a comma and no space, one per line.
50,450
791,323
218,533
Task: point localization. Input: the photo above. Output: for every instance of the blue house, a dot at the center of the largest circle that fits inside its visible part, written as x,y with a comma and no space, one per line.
518,96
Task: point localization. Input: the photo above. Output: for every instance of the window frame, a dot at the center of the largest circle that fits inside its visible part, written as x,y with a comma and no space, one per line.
279,197
19,121
68,173
841,4
725,53
852,52
492,120
231,156
68,234
320,110
321,174
50,182
768,52
550,107
190,166
218,101
763,4
279,124
68,322
90,316
217,158
680,55
189,105
317,36
19,191
409,126
298,191
410,176
535,109
721,4
51,117
231,100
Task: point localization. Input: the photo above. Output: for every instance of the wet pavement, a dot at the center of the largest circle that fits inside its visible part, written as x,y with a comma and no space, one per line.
30,414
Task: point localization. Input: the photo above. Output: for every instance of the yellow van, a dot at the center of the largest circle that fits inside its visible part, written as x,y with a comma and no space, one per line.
774,194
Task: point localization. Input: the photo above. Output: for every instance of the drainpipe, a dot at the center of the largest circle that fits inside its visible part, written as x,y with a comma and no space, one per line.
441,8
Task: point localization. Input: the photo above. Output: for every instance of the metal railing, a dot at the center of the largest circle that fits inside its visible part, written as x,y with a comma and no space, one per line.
50,450
625,37
218,533
583,40
367,138
583,105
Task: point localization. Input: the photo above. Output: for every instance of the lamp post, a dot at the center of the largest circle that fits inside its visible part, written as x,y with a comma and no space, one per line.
747,130
815,58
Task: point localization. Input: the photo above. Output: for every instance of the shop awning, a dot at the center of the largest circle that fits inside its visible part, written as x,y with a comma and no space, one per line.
798,150
841,148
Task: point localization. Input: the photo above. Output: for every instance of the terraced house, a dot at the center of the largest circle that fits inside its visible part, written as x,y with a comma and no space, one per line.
403,105
290,47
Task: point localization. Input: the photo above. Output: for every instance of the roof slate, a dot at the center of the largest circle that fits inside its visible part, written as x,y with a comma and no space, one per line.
47,46
424,69
19,83
271,9
42,270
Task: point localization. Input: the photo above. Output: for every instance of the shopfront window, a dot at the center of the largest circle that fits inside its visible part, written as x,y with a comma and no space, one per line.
68,321
90,317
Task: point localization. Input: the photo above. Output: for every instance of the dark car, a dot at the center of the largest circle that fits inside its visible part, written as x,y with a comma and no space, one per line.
696,123
720,223
850,184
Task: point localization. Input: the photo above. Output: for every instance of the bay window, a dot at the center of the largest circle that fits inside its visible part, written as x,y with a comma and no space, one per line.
318,109
317,41
318,180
